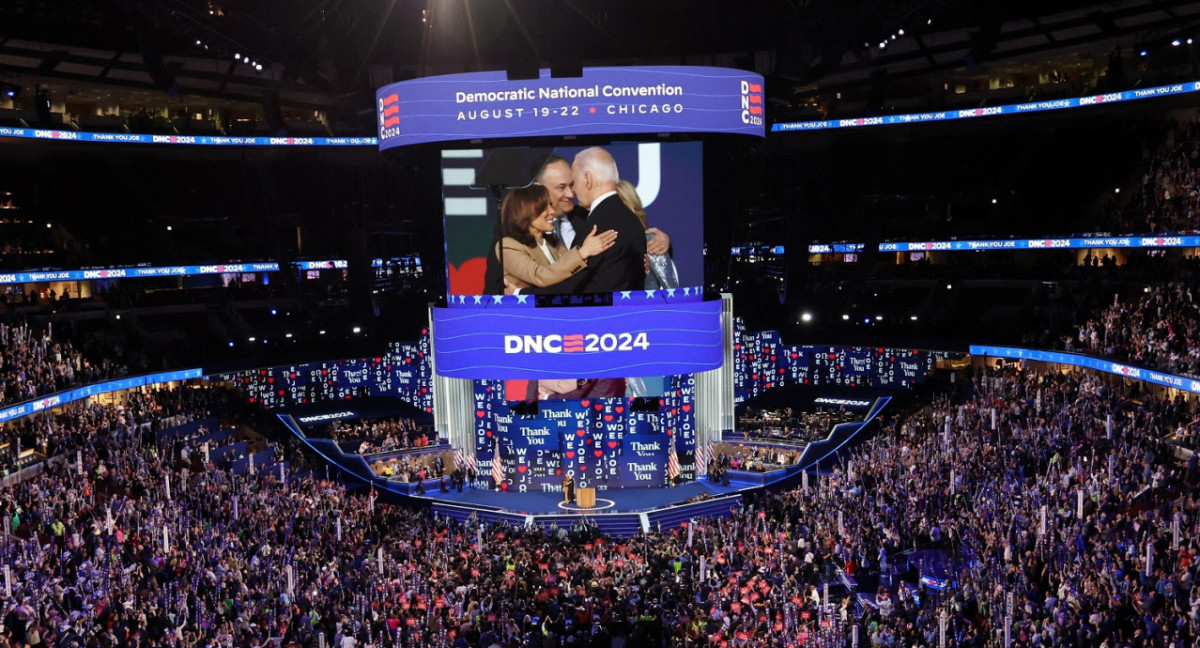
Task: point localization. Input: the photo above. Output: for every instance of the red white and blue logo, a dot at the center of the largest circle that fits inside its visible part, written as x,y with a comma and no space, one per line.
389,115
752,103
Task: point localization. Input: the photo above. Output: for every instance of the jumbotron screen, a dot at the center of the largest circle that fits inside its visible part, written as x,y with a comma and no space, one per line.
602,392
666,178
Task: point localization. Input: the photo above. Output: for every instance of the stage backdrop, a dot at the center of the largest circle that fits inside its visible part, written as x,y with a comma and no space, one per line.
604,443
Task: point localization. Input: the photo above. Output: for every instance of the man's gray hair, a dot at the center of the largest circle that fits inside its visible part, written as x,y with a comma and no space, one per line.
600,164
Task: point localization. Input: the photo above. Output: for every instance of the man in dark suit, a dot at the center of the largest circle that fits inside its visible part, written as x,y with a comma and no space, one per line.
594,183
622,266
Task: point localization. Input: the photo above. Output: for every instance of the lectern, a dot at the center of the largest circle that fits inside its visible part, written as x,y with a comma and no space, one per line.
586,497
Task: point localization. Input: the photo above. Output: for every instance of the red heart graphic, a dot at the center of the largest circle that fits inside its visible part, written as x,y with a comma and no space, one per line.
467,278
687,408
782,370
607,417
558,471
489,434
522,469
795,355
670,432
620,409
579,433
613,444
478,413
599,407
583,468
598,453
570,454
585,403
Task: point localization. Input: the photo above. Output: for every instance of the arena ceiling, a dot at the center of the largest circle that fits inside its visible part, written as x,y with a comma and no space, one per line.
330,55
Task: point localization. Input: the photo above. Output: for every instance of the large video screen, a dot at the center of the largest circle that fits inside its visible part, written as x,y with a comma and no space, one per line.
666,177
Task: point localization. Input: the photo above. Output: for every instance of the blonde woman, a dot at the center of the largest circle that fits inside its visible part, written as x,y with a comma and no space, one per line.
660,269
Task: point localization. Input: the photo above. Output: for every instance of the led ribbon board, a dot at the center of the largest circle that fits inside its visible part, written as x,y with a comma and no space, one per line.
603,101
196,140
575,342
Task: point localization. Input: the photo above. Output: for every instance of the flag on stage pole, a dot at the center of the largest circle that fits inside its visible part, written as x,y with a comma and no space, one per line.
672,461
497,470
701,460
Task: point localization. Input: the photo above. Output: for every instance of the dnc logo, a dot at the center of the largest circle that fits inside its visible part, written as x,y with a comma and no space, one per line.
389,115
752,103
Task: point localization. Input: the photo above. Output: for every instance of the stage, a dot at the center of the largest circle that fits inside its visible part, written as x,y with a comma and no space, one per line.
623,500
620,512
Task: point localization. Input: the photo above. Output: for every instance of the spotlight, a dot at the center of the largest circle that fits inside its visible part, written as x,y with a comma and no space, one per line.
11,91
253,339
231,344
357,329
993,201
198,43
288,336
322,332
258,66
1143,53
845,317
913,318
882,44
806,317
901,32
169,228
237,57
1175,43
879,318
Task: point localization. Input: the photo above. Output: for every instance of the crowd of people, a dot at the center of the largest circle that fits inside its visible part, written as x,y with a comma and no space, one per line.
144,549
757,458
1160,329
370,436
410,468
785,425
33,363
1167,199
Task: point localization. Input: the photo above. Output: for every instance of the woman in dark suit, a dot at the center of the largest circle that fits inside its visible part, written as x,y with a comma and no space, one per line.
530,253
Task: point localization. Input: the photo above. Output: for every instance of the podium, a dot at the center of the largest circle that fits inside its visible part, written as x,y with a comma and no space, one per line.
585,497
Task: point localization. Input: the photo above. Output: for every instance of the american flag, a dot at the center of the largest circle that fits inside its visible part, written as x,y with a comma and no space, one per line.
464,461
701,460
497,470
672,461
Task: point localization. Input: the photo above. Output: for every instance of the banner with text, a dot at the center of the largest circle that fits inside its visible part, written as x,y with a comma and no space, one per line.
528,343
603,101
